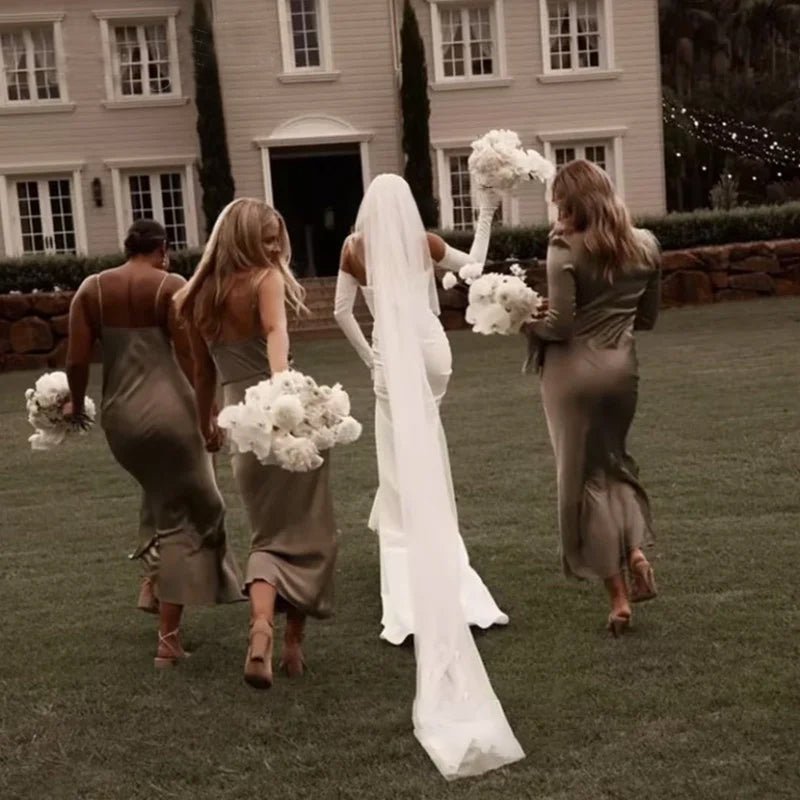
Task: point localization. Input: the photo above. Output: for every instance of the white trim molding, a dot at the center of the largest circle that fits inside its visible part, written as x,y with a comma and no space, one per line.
9,215
606,68
307,131
137,17
499,74
31,17
580,138
292,73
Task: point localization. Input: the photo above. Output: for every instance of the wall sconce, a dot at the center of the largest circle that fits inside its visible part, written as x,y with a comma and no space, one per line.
97,193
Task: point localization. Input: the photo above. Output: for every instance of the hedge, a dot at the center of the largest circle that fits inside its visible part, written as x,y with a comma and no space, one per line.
675,232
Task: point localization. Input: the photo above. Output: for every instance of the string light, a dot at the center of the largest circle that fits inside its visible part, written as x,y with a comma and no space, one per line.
744,139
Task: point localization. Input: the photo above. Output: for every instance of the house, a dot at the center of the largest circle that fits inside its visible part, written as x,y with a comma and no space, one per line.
310,89
97,124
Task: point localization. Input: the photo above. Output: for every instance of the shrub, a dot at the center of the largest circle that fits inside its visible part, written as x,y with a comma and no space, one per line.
675,232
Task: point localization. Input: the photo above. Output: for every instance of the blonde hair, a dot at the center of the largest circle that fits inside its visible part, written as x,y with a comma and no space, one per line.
589,204
236,245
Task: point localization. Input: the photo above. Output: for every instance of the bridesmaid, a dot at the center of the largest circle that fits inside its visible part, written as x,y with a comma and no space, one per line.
151,426
603,280
235,305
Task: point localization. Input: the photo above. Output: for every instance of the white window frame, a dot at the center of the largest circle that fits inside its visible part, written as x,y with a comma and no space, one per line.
34,105
499,76
122,168
9,207
137,17
605,70
292,73
460,147
610,138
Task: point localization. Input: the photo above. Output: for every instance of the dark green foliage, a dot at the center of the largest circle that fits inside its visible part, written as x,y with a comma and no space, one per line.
675,232
416,111
215,166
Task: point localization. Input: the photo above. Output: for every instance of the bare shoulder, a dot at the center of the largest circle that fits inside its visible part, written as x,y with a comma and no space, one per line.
271,280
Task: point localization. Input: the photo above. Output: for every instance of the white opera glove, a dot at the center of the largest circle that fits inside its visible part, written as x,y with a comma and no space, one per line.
347,288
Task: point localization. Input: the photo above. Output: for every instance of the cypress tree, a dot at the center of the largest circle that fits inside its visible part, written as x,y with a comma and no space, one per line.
215,166
416,110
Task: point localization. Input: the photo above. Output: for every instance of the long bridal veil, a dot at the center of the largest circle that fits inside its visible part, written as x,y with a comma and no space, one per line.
457,716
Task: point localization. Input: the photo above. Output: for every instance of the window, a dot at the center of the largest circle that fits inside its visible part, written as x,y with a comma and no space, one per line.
160,196
576,36
46,217
141,60
306,38
30,65
596,153
141,57
467,41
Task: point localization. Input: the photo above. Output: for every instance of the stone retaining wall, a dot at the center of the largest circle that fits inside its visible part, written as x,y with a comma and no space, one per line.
33,328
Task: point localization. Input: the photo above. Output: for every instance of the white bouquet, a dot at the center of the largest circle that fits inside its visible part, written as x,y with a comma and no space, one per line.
497,303
498,161
45,404
289,420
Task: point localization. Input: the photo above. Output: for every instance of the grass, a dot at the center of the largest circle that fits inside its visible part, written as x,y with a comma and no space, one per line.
699,702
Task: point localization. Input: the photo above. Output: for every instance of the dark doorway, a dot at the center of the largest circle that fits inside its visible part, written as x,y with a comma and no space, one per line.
318,191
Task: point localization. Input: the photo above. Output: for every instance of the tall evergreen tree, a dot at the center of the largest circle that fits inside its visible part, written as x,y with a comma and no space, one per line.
416,111
215,166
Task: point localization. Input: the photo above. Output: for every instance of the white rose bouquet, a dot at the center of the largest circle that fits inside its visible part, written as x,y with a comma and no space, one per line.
45,405
499,162
289,420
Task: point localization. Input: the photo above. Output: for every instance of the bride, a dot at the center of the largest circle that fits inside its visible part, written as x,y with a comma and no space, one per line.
428,587
479,607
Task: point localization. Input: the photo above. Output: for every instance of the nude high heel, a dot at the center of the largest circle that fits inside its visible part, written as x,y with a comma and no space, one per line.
258,662
644,582
170,650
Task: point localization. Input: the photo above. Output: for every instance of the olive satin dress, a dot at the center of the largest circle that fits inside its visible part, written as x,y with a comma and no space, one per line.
589,383
293,533
150,422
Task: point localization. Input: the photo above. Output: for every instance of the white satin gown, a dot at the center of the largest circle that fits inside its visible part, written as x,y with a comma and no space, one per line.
478,605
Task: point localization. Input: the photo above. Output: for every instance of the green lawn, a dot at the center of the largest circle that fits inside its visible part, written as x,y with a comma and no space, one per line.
701,701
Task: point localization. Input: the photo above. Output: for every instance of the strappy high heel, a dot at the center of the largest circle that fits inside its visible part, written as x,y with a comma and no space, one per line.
170,651
618,623
258,662
292,662
147,602
644,582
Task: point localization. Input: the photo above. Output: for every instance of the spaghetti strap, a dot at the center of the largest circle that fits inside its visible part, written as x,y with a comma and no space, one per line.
158,293
99,297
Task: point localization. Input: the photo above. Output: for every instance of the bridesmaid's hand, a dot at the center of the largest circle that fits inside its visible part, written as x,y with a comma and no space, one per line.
213,437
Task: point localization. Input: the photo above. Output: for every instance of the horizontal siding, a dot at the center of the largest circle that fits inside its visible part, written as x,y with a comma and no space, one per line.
93,133
257,102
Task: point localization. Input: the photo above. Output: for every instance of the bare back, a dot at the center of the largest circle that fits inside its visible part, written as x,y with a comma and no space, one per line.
240,316
353,260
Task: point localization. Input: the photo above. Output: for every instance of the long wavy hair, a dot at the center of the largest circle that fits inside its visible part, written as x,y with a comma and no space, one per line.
589,204
237,245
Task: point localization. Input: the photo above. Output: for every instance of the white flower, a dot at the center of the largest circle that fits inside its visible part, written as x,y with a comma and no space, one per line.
339,401
296,454
45,406
348,431
517,271
498,161
470,272
492,319
323,438
449,281
287,412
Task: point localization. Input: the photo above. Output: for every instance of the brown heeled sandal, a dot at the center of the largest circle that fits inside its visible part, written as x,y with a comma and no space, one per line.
618,623
643,581
258,662
170,651
292,662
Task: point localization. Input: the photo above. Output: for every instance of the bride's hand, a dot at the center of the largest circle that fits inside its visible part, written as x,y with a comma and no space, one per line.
213,437
488,197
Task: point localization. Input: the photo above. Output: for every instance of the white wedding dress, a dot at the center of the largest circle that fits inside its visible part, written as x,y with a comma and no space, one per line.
477,602
456,714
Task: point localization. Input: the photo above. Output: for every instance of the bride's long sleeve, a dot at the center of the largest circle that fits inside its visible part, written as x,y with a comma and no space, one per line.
343,304
454,259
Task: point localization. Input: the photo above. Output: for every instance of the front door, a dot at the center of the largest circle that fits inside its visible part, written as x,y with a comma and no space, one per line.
318,192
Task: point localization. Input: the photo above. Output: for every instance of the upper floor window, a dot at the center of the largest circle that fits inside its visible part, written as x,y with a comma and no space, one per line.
141,56
305,36
467,40
576,36
31,64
